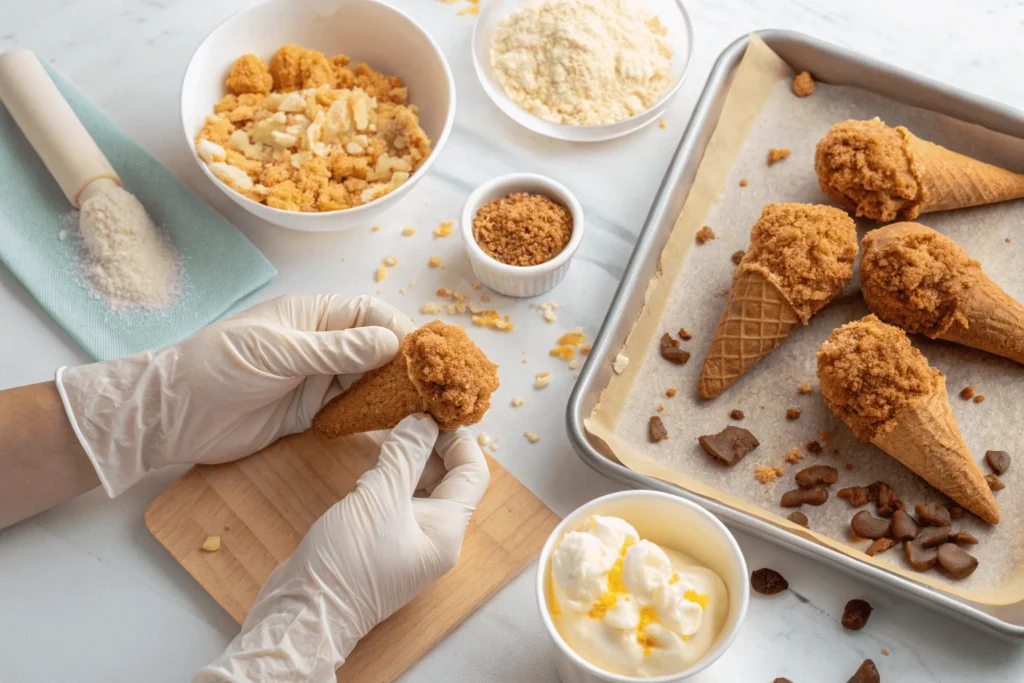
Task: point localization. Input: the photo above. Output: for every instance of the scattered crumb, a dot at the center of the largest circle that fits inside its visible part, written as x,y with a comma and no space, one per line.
684,335
211,544
620,363
849,466
670,392
723,292
765,474
379,292
542,380
485,298
477,285
661,408
585,349
1009,239
531,437
705,234
736,414
375,228
573,337
550,317
525,361
443,230
979,398
967,393
775,154
743,182
574,364
737,256
483,439
793,455
63,235
408,231
401,290
518,401
492,320
412,284
390,261
803,84
382,272
792,414
662,124
435,262
472,10
430,308
565,353
813,447
885,653
804,388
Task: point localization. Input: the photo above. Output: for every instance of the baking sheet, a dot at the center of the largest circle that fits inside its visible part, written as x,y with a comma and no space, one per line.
761,112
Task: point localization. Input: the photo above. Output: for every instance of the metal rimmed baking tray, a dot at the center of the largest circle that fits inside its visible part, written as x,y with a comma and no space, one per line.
833,65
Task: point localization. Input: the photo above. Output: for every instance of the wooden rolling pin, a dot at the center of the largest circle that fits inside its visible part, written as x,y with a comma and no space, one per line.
51,127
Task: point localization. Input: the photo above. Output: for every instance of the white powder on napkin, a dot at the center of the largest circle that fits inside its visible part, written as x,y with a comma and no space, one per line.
124,258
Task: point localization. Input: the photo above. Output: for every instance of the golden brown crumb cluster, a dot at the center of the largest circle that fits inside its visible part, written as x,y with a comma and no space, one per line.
865,167
869,372
308,133
452,374
803,84
522,229
916,278
806,250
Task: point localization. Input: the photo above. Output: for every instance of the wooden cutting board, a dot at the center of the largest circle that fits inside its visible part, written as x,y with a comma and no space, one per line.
262,506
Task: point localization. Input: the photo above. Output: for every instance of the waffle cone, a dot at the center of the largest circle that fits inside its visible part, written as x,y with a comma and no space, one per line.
757,317
927,440
380,399
995,321
953,181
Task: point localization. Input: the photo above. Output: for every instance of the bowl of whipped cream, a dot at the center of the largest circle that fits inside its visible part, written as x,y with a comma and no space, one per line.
582,70
640,586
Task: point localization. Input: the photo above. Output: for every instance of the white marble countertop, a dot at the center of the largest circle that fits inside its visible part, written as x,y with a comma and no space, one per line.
87,595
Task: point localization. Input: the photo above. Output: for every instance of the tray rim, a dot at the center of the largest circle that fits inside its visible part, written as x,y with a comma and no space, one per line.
971,108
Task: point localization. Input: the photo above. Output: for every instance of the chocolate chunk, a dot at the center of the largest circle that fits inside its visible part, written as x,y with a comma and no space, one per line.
792,414
857,495
932,513
994,482
867,673
999,461
880,546
816,495
813,447
955,511
904,528
656,429
963,537
671,352
729,445
798,517
932,536
768,582
856,614
958,562
736,414
817,475
684,335
865,525
921,559
886,502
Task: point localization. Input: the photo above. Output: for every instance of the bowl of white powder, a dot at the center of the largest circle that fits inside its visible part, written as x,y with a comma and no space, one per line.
582,70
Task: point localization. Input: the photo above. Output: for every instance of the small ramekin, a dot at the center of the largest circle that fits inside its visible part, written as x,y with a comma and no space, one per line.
674,523
520,281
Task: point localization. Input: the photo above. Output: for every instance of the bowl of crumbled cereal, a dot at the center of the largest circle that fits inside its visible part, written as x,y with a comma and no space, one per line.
317,118
582,70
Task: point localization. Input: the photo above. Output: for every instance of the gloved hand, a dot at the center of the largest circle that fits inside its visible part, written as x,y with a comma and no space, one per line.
364,559
230,389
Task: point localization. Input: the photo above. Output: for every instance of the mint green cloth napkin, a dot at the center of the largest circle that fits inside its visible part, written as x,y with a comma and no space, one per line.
221,266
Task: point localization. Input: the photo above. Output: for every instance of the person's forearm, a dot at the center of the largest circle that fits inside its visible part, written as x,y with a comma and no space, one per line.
42,463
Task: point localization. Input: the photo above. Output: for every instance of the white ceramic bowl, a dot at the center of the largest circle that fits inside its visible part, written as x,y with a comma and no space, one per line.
365,30
673,523
520,281
673,16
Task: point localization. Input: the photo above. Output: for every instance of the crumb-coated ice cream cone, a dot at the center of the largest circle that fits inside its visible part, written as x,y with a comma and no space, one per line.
922,281
438,370
800,257
883,388
886,173
926,439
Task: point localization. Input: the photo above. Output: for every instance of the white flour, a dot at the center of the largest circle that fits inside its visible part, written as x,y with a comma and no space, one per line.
124,258
582,62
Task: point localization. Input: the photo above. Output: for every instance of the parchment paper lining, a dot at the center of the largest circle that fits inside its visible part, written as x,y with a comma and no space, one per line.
761,112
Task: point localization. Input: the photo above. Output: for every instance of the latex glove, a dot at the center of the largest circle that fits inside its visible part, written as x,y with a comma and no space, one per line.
229,390
364,559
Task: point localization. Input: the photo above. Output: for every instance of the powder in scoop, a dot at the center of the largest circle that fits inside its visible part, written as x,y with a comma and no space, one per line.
125,259
522,229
